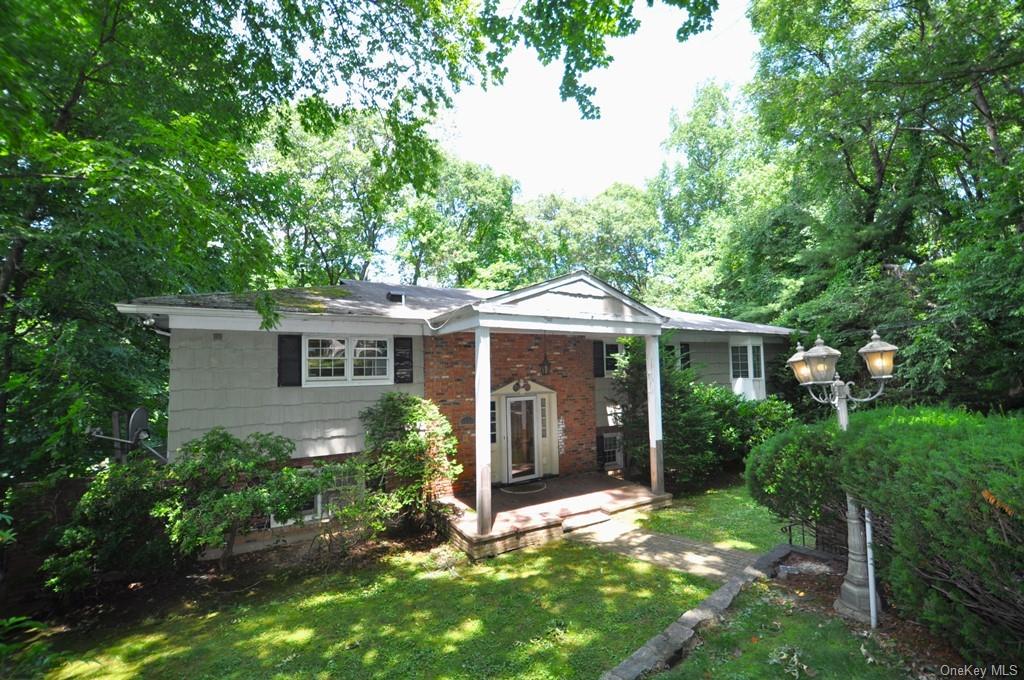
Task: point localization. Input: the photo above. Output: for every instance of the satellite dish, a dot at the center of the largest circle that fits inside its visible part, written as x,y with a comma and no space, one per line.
138,426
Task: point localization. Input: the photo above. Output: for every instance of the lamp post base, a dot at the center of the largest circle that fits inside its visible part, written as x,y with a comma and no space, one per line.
854,602
855,595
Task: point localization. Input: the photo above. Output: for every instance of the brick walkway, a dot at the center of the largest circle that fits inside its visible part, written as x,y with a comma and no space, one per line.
665,550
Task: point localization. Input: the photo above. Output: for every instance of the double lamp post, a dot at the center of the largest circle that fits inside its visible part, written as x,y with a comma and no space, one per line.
815,369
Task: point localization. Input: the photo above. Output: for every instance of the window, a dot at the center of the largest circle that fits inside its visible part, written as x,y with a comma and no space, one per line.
370,359
322,505
610,453
325,358
610,350
747,361
311,510
543,417
684,355
335,360
494,423
349,490
740,364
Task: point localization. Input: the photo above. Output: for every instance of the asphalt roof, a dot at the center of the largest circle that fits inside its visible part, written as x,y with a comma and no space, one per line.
370,298
360,298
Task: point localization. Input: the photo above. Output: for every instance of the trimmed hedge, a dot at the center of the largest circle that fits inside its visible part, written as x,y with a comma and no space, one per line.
947,491
795,473
949,488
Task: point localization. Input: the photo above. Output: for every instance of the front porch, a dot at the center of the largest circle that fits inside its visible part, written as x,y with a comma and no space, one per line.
550,508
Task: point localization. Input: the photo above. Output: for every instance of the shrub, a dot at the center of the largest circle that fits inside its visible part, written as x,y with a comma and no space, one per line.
221,482
410,451
705,427
112,530
795,473
947,487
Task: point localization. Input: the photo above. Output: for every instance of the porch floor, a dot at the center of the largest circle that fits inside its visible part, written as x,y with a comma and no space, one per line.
563,505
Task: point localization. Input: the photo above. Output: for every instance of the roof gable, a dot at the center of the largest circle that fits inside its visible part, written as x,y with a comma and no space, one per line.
576,295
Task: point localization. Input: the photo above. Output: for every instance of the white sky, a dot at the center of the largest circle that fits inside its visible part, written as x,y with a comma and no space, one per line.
523,129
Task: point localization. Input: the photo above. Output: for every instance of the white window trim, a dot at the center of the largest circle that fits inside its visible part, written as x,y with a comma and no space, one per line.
350,346
750,344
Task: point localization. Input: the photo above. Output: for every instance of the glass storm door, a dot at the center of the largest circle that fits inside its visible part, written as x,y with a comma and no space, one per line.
523,439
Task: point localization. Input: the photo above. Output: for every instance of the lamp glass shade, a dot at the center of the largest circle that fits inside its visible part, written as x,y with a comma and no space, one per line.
878,355
821,362
801,370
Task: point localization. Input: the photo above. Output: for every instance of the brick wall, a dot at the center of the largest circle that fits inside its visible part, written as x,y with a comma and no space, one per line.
448,367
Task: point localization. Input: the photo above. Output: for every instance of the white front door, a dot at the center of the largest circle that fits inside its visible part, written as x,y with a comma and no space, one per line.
523,437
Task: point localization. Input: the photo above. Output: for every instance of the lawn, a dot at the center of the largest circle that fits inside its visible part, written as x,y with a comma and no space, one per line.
765,636
558,611
725,517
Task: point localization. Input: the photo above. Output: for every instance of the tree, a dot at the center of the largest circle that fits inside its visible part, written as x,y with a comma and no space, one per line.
463,224
901,123
124,172
343,189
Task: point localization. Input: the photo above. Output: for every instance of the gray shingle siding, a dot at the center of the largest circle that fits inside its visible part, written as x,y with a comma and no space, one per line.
232,382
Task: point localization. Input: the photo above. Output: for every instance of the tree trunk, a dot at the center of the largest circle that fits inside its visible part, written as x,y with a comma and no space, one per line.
229,548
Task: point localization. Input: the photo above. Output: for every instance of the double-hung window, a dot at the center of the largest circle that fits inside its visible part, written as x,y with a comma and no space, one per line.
346,360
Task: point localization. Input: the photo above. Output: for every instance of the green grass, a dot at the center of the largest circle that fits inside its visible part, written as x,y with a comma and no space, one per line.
726,517
558,611
764,636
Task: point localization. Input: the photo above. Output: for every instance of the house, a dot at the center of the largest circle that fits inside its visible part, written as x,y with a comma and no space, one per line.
523,376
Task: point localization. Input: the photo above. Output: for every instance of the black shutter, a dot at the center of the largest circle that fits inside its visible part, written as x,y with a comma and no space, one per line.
600,449
403,360
289,360
598,359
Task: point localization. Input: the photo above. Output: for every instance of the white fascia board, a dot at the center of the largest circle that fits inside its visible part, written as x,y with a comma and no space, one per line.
520,323
292,323
511,311
195,318
721,336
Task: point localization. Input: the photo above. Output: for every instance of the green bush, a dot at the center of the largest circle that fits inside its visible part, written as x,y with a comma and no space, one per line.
948,488
112,530
705,427
410,450
221,482
795,473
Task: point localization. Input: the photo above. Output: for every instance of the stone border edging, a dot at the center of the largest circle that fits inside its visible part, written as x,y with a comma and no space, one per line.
675,642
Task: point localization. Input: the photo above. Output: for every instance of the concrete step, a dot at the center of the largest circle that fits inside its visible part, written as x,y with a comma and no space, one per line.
649,502
585,519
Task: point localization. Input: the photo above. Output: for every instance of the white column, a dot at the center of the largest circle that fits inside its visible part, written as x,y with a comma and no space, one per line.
483,431
654,414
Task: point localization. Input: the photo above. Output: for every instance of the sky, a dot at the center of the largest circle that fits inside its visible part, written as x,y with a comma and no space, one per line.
523,129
